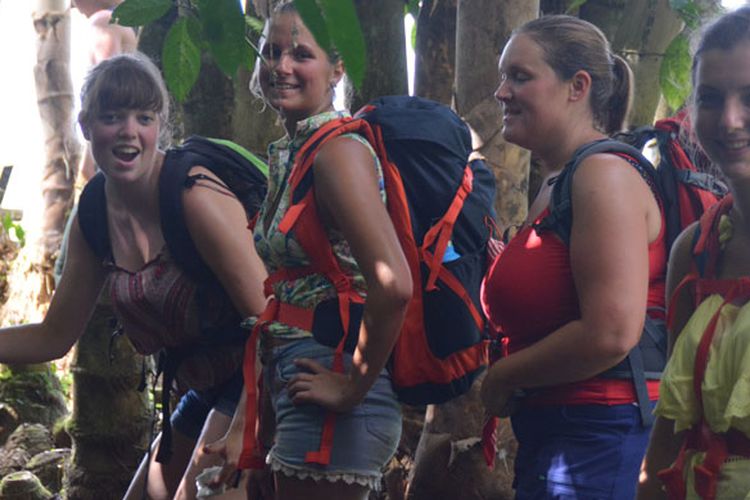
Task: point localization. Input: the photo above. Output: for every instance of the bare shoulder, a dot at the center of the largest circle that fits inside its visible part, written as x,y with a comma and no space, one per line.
343,150
681,255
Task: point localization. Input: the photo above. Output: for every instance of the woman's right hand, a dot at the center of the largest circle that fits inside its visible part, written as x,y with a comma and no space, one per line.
259,481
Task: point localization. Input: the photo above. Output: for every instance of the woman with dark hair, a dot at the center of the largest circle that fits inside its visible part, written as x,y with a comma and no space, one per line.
571,311
701,438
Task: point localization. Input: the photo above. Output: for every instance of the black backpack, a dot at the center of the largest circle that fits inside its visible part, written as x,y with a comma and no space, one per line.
246,176
647,360
441,206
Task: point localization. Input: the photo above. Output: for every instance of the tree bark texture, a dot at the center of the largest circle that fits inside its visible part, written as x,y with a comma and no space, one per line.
435,54
483,28
383,29
449,462
111,421
254,124
639,31
55,97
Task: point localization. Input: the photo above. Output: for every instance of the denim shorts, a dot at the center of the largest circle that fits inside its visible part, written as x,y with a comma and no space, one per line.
582,452
364,439
191,412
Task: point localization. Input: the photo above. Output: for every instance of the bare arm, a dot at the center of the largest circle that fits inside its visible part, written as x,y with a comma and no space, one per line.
615,217
346,190
664,444
109,39
218,226
69,312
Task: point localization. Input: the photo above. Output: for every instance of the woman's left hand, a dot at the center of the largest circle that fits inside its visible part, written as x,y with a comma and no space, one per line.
319,385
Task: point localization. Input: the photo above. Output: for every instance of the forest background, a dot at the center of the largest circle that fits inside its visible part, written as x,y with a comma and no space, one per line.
457,43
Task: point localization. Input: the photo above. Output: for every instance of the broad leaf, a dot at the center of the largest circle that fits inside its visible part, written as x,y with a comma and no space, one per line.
346,34
312,16
140,12
223,26
674,77
181,59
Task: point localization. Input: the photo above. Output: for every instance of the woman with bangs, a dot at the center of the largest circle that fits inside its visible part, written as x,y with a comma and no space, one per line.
125,114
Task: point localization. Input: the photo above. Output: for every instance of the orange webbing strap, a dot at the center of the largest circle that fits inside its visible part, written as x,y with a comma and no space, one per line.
700,436
251,456
312,237
440,233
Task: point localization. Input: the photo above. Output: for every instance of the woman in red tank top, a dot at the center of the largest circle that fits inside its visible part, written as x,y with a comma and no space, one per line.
571,312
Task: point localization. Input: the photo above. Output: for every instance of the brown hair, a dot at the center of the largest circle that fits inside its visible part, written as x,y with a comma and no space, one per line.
126,81
724,33
571,44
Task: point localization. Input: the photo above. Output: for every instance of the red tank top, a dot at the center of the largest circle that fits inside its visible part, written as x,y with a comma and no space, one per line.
530,293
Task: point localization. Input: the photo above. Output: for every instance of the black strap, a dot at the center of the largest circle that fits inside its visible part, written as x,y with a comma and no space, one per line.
635,359
168,363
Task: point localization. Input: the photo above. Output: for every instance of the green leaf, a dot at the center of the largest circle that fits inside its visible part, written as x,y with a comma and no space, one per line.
574,5
414,36
412,7
181,59
140,12
346,34
674,77
255,24
679,4
312,16
223,26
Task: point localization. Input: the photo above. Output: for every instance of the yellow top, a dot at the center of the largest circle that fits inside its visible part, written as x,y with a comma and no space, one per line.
725,388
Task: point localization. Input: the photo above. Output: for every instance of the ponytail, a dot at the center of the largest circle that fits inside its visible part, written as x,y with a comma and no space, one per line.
621,99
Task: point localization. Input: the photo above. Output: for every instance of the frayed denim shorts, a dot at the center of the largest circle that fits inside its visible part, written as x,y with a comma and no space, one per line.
364,439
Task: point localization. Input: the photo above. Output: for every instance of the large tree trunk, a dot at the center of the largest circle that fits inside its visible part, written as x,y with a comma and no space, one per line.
640,31
111,422
54,88
254,124
383,29
435,57
483,28
449,460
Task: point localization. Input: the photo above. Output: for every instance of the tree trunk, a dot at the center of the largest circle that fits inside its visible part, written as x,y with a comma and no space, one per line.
383,29
54,88
639,31
435,57
254,124
483,28
111,422
449,461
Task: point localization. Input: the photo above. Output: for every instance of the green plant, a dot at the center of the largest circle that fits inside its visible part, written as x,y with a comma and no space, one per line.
220,28
18,232
674,76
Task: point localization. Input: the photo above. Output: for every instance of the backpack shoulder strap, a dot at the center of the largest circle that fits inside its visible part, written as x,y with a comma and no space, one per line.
560,217
92,217
240,170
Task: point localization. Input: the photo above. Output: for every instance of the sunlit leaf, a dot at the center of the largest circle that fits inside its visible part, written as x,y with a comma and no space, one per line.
313,18
674,78
223,26
254,23
574,5
140,12
181,59
346,34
